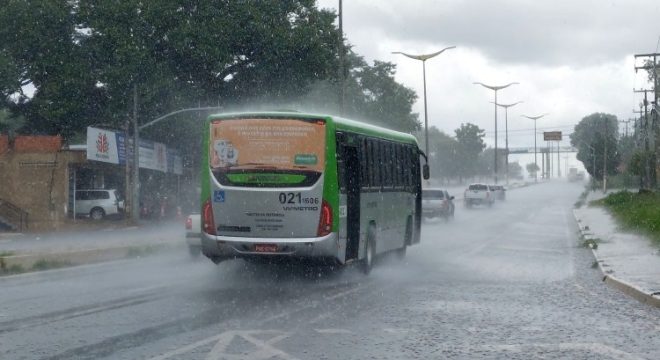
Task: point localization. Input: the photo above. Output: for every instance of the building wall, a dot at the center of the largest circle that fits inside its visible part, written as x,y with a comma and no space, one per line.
36,180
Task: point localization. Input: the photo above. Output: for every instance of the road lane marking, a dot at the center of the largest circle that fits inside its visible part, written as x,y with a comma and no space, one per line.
343,293
333,331
264,349
216,338
321,317
187,348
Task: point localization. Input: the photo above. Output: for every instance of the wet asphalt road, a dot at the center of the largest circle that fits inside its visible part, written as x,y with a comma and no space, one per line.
506,282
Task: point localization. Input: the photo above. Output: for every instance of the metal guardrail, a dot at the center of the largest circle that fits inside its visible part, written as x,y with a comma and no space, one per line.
14,215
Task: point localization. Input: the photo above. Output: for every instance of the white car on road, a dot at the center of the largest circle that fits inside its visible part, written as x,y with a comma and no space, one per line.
478,194
193,234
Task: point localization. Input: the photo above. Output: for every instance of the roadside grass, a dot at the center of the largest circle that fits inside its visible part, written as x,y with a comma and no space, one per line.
635,211
47,264
8,270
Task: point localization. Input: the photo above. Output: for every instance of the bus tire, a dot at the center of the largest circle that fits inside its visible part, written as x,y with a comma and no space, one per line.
407,240
370,255
194,251
216,259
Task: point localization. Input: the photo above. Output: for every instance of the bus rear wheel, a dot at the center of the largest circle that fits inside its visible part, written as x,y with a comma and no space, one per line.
407,240
368,261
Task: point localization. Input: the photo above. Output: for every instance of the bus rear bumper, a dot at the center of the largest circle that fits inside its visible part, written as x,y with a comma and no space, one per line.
227,247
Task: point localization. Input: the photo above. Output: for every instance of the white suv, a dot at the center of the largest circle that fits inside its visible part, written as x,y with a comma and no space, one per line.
98,203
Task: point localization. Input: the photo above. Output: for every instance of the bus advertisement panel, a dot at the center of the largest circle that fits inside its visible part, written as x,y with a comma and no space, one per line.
261,152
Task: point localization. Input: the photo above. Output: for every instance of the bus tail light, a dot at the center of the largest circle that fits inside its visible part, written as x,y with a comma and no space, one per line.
325,222
208,224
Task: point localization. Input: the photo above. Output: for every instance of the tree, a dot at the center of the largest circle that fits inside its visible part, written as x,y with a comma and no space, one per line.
515,170
485,167
470,145
532,169
10,123
592,136
443,157
85,57
371,94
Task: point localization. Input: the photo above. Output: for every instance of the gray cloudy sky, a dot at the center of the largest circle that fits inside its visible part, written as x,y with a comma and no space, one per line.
572,58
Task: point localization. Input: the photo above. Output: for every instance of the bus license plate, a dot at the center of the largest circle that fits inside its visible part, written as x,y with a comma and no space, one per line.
265,248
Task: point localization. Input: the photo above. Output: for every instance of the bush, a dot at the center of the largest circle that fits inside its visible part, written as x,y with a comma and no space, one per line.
636,211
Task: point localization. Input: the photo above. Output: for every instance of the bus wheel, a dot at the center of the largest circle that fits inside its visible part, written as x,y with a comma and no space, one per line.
194,251
401,252
368,261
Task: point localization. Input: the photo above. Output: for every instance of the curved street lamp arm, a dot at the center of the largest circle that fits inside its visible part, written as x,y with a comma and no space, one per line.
492,87
535,117
424,57
507,105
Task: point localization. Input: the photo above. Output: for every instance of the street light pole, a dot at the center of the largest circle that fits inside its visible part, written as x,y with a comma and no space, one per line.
495,89
536,178
135,197
135,208
423,59
506,134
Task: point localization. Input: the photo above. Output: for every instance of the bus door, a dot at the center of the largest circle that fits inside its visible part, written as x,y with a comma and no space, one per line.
350,171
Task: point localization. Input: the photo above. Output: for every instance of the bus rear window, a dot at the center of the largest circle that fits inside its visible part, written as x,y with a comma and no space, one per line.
267,152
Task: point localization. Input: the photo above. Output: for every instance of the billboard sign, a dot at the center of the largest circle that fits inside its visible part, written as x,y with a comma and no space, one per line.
106,146
111,147
552,135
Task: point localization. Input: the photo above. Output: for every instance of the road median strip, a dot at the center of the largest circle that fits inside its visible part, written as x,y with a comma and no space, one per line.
11,263
619,284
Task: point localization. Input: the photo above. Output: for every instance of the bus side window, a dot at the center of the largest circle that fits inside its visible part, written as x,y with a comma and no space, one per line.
376,164
386,156
398,162
410,169
364,163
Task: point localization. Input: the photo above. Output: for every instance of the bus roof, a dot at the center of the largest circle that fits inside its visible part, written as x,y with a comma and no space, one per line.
339,122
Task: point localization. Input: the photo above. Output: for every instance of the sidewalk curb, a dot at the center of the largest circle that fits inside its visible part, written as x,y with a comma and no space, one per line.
30,262
621,285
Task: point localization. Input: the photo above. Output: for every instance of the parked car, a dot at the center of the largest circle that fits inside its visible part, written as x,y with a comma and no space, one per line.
193,234
437,203
478,194
499,191
98,203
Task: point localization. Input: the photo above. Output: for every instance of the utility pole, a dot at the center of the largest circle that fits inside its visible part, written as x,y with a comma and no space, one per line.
543,172
558,164
550,159
647,135
342,71
506,135
626,122
605,160
135,197
654,69
638,126
128,198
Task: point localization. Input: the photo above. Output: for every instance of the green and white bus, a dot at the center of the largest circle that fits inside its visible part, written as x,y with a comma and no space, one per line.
288,184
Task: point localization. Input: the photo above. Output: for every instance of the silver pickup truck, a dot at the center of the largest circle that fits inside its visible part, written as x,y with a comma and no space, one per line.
478,194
